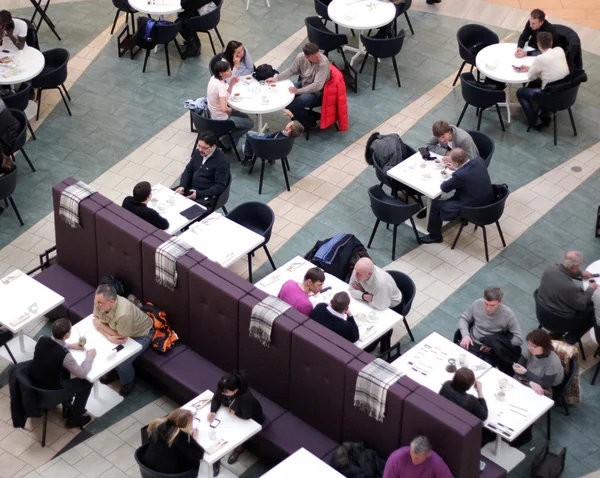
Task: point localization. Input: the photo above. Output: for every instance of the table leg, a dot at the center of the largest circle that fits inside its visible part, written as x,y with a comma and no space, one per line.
503,454
358,51
96,389
508,95
497,445
21,341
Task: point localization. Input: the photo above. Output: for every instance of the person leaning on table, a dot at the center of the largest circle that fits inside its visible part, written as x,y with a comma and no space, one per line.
337,317
374,285
447,136
138,205
172,447
297,293
12,28
233,393
536,24
52,367
118,320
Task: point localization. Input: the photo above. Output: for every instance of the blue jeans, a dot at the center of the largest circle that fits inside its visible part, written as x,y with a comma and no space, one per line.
301,102
243,124
125,370
525,97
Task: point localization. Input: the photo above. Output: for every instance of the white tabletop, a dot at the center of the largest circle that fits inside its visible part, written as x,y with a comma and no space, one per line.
232,430
95,340
369,331
361,14
496,62
21,294
161,196
221,240
594,268
411,172
156,7
302,464
252,95
27,63
426,362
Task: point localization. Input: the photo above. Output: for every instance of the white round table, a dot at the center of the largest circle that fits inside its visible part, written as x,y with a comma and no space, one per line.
252,98
156,7
29,63
361,15
496,62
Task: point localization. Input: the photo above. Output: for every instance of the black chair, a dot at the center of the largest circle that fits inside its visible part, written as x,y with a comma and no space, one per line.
321,10
32,38
402,9
271,150
19,142
484,216
396,186
224,197
123,6
8,184
148,473
391,211
408,289
213,62
219,127
53,76
570,42
259,218
553,322
596,353
208,22
6,335
19,100
326,40
471,40
480,97
559,393
382,48
484,144
161,35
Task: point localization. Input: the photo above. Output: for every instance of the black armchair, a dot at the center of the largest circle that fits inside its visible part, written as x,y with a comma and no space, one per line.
148,473
219,127
8,184
19,142
391,211
213,61
224,197
53,76
382,48
161,35
271,150
408,289
208,22
484,144
484,216
560,391
396,186
259,218
570,42
471,40
19,100
323,38
402,9
5,334
321,10
482,98
123,6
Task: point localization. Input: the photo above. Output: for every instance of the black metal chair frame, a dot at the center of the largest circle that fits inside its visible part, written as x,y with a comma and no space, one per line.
554,120
560,398
21,117
366,41
401,308
44,17
131,12
596,354
12,203
206,18
479,110
476,135
24,92
40,89
149,48
464,50
285,164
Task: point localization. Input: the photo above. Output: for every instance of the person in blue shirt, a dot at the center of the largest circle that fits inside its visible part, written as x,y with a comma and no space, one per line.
238,58
293,129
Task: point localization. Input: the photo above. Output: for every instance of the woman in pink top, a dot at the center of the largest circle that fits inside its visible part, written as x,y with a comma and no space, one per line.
296,294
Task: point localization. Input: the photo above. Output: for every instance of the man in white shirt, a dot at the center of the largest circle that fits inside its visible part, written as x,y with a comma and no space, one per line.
550,66
13,28
374,285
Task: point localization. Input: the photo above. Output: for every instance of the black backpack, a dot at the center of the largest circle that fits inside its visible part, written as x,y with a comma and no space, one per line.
264,71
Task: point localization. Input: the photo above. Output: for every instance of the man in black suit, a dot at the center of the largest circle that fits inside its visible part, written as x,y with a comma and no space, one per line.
337,317
537,23
138,205
207,174
472,188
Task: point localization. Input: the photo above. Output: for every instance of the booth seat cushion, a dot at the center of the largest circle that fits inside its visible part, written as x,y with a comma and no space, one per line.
229,276
82,309
334,338
288,434
65,284
153,361
491,470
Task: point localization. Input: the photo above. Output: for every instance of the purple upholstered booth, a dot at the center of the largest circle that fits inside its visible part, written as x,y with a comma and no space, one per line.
296,316
229,276
334,338
358,426
132,219
214,317
256,359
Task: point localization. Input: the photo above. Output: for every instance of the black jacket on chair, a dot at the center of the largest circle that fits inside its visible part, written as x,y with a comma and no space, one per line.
472,185
23,402
210,179
9,129
344,328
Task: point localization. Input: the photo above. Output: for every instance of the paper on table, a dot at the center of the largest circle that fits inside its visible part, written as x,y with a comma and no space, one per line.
216,447
203,399
11,277
293,266
20,319
270,280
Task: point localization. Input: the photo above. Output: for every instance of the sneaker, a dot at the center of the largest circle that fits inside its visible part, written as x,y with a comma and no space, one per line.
127,389
109,377
80,422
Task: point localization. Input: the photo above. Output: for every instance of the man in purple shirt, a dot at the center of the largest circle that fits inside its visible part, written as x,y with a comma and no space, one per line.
296,294
416,461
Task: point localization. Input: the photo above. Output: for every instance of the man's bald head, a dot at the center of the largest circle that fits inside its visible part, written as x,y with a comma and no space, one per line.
364,268
458,156
572,260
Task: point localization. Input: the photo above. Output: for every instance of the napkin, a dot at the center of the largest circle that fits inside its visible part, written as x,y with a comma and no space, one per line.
270,280
20,319
203,399
216,447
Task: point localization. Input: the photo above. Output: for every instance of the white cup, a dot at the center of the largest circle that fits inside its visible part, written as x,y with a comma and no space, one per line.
33,307
212,434
500,395
503,383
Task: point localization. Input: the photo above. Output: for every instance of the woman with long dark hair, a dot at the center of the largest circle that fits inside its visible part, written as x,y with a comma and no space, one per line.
238,58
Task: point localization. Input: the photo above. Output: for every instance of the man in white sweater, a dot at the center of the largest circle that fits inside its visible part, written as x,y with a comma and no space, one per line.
550,66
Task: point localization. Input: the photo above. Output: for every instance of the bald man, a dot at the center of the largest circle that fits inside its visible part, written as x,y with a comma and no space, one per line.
374,285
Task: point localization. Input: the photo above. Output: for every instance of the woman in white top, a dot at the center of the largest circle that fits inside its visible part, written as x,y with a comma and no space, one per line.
216,96
12,28
239,58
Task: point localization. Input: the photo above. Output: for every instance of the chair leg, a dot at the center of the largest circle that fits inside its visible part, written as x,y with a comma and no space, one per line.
250,267
462,224
269,257
219,37
146,61
262,173
581,349
555,127
500,117
31,130
374,72
39,102
596,373
500,232
27,159
234,148
14,206
487,257
112,30
411,30
212,43
363,63
396,70
285,174
412,222
224,210
45,425
167,58
179,49
64,101
12,357
410,334
66,91
287,163
548,426
572,122
394,242
459,72
462,114
373,233
479,120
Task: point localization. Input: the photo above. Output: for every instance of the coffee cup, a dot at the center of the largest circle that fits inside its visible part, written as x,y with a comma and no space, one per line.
248,79
33,307
273,88
237,96
503,383
82,341
501,396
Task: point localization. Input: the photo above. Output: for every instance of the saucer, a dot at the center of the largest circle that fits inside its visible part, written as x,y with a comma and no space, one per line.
236,98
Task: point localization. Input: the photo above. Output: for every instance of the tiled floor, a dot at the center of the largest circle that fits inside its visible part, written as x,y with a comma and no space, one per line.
128,125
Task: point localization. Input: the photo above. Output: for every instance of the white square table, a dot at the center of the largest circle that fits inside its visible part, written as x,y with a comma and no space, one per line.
232,430
23,300
221,240
369,331
170,204
104,398
302,464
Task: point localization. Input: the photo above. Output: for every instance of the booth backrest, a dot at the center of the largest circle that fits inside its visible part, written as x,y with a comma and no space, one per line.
257,360
133,219
334,338
296,316
120,250
214,309
358,426
318,370
229,276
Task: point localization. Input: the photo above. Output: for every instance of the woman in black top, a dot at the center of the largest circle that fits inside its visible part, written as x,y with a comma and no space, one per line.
456,391
172,447
233,393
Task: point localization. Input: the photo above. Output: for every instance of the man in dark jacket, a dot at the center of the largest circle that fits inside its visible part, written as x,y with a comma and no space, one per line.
207,174
337,317
138,205
9,128
190,9
472,188
537,23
